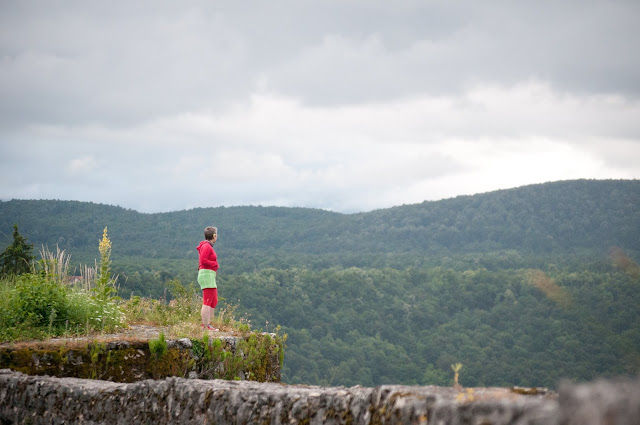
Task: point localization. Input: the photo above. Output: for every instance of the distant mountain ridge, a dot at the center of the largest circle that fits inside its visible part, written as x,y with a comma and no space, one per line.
561,217
397,295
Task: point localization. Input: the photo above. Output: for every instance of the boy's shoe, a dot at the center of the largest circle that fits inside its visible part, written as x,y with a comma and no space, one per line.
209,328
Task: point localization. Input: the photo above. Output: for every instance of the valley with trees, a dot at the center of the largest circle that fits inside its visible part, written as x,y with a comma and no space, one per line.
526,286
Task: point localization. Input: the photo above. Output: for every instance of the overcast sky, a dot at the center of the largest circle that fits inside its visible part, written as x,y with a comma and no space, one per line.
348,105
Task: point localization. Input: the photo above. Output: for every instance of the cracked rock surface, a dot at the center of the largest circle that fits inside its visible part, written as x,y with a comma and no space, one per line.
38,399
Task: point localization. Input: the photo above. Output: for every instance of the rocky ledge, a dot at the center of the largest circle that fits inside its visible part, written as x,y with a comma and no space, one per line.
254,356
48,400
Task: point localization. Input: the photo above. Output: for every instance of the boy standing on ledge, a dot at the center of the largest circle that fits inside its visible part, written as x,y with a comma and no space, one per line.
207,276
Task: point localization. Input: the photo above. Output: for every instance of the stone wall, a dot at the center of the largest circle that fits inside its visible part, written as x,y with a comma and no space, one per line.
47,400
255,357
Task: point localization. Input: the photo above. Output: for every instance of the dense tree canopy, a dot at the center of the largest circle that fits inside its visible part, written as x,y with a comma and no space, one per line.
548,219
382,326
521,286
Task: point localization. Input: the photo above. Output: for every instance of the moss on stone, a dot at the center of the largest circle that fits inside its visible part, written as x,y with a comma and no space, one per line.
256,357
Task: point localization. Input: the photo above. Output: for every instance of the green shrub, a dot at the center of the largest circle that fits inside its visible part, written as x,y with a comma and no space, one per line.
34,306
158,347
39,300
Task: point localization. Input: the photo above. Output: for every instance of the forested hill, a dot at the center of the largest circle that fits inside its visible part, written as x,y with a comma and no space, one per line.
584,216
517,285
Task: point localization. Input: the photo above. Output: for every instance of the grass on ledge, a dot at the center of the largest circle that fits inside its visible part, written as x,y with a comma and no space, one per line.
49,303
37,306
181,316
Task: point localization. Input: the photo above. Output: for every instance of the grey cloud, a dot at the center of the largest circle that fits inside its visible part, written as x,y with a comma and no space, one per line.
584,47
121,62
84,65
112,82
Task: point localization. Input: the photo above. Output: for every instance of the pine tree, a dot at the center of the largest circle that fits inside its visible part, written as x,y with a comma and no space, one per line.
17,258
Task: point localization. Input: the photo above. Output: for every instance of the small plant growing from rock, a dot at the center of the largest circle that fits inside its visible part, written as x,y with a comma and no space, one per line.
158,347
456,374
96,353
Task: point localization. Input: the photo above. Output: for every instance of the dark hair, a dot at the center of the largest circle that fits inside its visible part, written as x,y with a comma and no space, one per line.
210,232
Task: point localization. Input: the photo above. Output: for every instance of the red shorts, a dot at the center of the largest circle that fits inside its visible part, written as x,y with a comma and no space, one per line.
210,297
